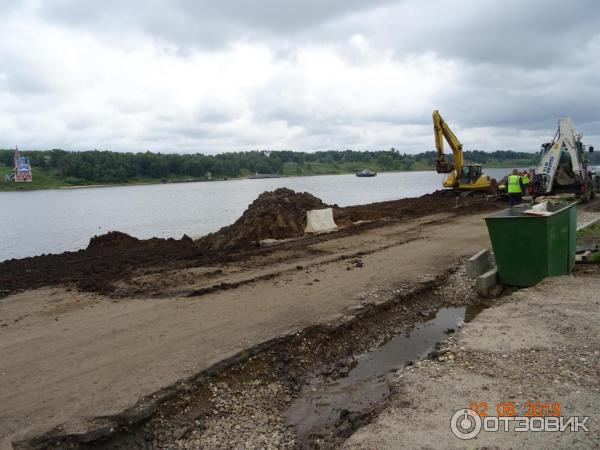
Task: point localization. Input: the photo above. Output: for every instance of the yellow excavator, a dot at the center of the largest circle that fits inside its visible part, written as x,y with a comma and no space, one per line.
461,176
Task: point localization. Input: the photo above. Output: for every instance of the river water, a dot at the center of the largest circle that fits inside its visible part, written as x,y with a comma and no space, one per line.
52,221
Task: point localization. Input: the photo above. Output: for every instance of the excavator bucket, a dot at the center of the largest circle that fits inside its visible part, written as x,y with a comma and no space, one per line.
444,166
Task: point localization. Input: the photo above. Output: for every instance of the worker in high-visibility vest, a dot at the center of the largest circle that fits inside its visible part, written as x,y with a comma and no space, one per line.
515,188
525,179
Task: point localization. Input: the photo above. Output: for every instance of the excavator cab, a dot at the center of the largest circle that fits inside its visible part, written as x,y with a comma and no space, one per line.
470,181
471,178
470,173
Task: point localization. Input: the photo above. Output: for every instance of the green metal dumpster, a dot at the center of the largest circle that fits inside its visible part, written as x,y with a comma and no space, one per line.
529,248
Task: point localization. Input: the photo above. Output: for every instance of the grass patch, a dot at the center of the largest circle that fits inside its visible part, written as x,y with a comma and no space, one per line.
43,178
589,235
594,257
46,178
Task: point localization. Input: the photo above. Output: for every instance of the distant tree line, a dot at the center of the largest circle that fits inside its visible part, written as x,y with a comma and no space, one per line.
107,166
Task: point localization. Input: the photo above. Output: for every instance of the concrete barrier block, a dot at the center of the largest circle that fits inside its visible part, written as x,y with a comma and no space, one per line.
478,263
319,221
485,282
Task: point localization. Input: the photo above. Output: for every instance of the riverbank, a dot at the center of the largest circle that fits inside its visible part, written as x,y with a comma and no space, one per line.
104,331
163,344
106,167
67,218
45,178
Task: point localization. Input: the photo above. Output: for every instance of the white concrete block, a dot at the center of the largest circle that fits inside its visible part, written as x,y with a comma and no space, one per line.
486,281
479,263
319,221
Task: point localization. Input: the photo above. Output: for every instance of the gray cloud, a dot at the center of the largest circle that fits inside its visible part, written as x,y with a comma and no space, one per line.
533,33
186,75
190,23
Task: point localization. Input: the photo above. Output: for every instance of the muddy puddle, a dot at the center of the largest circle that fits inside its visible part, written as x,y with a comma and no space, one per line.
322,405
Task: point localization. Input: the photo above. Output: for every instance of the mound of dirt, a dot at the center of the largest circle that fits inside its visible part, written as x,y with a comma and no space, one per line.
407,208
107,258
113,239
278,214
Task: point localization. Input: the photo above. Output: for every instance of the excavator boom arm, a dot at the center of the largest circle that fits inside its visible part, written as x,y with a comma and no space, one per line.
442,131
566,140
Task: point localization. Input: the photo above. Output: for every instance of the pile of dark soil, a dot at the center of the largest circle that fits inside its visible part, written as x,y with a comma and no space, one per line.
279,214
107,258
113,239
409,208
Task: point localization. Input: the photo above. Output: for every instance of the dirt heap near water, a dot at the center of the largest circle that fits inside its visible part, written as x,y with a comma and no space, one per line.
278,214
273,215
113,239
107,258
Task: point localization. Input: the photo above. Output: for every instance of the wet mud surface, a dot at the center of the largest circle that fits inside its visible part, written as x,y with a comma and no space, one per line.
363,385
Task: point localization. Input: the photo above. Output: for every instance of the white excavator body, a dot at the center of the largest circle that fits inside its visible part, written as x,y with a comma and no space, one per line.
562,167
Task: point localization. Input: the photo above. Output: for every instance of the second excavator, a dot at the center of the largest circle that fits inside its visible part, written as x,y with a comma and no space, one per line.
461,176
563,167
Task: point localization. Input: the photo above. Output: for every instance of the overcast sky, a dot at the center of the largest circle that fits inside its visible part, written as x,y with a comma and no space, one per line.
220,75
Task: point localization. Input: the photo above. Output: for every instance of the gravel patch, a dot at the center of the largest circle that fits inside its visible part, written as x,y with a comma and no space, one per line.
246,416
539,345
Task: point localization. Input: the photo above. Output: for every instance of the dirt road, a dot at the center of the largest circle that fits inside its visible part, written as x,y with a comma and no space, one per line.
70,356
540,345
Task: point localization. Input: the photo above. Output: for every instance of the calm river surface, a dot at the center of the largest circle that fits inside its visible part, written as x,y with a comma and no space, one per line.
53,221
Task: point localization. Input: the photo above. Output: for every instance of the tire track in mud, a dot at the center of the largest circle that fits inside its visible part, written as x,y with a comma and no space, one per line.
225,285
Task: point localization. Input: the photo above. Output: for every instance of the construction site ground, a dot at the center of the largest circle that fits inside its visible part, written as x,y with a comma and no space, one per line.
138,359
540,345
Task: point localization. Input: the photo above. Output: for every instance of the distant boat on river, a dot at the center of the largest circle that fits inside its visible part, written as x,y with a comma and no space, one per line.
366,173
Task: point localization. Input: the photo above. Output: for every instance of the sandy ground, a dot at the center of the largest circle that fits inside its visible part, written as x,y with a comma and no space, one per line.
69,356
542,344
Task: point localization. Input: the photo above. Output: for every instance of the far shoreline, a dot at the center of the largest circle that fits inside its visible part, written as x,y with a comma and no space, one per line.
158,182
